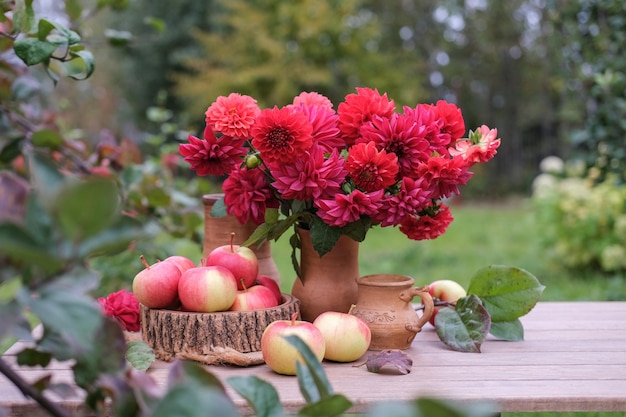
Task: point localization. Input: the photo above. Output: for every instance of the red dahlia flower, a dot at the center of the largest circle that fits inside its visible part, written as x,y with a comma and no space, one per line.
123,307
371,169
426,227
282,135
359,108
247,195
233,115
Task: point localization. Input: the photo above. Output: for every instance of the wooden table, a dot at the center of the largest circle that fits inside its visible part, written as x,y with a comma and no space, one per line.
573,358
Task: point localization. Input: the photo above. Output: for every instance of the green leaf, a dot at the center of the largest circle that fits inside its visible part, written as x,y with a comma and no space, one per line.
464,327
506,292
318,386
323,236
358,230
114,238
17,243
191,400
81,66
157,24
118,37
261,395
47,138
512,331
33,357
85,208
187,371
139,355
24,16
431,407
45,177
33,51
334,405
219,208
73,9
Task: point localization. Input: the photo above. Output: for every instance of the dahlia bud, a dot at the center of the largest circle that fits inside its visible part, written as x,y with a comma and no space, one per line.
252,161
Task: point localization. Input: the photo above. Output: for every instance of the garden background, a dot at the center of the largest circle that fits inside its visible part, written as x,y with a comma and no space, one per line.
550,75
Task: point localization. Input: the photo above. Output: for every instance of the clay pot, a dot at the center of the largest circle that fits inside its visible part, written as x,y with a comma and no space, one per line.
385,303
326,283
217,231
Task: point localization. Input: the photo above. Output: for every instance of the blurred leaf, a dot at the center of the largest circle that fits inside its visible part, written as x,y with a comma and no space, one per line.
45,176
19,245
24,16
464,327
140,355
13,322
390,359
83,209
158,24
74,9
104,355
317,386
191,400
122,394
334,405
512,331
114,238
33,357
33,51
70,318
261,395
11,149
192,372
118,37
506,292
431,407
219,208
47,138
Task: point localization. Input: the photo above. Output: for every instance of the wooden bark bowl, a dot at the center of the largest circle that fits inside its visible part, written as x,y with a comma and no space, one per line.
173,333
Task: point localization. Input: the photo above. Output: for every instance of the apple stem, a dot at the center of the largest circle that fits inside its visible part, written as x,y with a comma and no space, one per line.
351,308
294,316
232,242
144,262
243,284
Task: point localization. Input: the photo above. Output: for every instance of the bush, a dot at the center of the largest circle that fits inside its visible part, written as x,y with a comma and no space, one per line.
584,221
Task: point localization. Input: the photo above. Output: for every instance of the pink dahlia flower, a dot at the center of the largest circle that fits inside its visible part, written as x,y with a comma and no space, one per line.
427,227
412,197
309,177
233,115
247,195
324,123
359,108
453,123
282,135
480,147
212,156
445,175
312,99
344,209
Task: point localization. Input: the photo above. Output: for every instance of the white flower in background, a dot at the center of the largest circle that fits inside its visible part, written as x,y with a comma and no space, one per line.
552,165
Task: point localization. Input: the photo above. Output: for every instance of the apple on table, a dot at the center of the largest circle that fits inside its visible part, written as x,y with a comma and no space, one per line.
445,290
207,289
347,336
279,354
240,260
156,286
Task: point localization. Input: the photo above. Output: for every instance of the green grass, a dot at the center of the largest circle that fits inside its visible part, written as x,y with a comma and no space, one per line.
481,235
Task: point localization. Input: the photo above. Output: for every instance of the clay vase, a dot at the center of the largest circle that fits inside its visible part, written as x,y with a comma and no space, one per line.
385,304
217,231
326,283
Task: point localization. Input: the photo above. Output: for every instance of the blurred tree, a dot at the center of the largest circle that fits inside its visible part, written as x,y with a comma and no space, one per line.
592,37
272,50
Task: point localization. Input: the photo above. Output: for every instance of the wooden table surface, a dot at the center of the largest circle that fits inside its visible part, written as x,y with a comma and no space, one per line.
573,358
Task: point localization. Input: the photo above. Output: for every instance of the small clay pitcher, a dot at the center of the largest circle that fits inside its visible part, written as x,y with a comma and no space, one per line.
385,303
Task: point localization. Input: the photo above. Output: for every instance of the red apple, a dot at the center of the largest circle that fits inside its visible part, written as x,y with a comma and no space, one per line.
279,354
240,260
254,298
270,283
156,286
181,262
206,289
347,336
445,290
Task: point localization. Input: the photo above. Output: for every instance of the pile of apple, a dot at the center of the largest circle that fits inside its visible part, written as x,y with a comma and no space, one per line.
227,280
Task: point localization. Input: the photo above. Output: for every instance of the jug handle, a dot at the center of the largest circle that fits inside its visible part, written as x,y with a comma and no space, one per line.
427,301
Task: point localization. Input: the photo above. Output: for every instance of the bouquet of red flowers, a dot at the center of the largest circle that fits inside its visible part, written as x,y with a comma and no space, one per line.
338,171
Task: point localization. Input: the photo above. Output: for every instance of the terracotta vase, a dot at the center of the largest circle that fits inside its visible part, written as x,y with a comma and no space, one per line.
385,303
217,231
326,283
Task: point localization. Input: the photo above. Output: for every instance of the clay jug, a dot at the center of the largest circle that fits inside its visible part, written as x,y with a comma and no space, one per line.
217,231
385,303
326,283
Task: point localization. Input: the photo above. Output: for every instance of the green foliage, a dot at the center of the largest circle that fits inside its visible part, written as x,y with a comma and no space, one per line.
584,221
